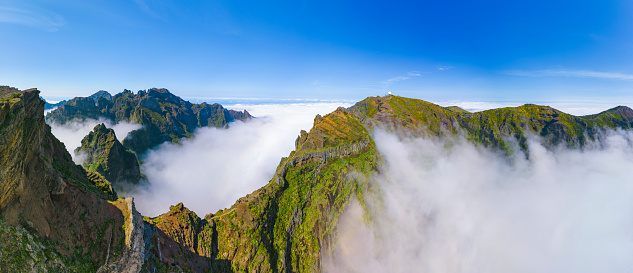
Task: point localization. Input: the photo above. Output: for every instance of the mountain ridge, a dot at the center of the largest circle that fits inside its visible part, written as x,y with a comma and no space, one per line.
165,117
102,152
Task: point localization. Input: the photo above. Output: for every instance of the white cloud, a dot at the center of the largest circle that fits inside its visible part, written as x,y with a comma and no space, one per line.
448,206
212,170
445,67
570,73
401,78
32,17
414,74
72,132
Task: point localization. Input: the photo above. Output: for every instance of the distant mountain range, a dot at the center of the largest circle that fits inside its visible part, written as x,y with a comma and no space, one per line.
164,116
56,217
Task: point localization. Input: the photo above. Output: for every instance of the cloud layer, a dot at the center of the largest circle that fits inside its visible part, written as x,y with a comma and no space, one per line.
448,206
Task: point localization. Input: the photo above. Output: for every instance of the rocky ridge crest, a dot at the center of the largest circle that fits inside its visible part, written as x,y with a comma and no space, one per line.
102,152
164,116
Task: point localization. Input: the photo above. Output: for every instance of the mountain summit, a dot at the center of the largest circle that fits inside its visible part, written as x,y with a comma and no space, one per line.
102,152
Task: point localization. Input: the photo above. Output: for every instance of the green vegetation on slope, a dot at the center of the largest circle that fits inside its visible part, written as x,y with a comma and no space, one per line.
104,154
164,116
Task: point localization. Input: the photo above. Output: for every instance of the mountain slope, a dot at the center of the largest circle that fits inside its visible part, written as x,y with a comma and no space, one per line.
103,153
50,198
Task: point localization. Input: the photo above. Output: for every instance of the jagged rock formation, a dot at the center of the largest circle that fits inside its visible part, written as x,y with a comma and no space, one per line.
102,152
77,108
101,183
164,116
45,193
101,94
48,105
133,256
183,241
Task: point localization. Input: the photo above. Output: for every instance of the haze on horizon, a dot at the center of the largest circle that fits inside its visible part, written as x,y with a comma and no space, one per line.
491,51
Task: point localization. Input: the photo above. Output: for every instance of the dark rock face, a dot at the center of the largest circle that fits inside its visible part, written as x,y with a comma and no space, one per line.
100,94
80,108
44,192
164,116
183,240
105,155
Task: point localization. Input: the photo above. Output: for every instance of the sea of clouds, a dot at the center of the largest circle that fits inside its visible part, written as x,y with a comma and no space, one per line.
71,133
439,205
450,206
213,169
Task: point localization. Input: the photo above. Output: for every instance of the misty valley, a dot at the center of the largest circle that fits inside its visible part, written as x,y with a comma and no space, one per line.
149,182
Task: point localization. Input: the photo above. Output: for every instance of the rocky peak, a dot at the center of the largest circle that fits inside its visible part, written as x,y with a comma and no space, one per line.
165,117
103,153
44,192
101,94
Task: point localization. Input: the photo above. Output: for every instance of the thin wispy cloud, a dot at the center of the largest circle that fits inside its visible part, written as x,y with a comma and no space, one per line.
409,75
317,82
570,73
445,67
142,4
32,17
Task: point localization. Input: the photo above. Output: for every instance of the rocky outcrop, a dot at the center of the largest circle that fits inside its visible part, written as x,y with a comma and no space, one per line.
101,94
78,108
45,193
101,152
132,258
20,251
164,116
182,241
101,183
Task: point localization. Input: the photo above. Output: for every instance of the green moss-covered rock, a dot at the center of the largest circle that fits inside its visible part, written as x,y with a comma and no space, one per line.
20,251
102,152
494,128
164,116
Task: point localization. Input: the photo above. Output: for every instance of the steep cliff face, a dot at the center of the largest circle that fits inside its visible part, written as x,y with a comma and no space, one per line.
102,152
45,193
164,116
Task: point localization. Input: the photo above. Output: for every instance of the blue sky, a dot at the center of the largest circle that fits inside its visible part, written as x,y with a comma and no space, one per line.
524,51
